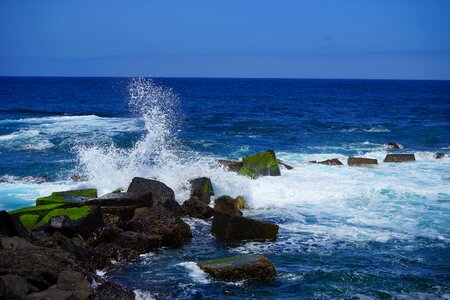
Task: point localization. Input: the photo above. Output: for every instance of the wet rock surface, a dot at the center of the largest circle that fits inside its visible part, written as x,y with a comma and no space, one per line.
361,161
397,158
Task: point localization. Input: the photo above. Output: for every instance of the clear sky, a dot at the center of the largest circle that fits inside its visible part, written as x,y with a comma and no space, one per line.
399,39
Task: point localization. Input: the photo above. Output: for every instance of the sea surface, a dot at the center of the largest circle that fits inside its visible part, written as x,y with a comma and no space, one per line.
380,232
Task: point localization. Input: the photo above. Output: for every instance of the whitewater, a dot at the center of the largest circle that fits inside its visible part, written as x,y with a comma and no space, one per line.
365,232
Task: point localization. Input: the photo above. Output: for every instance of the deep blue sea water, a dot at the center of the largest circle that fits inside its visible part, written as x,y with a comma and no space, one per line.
364,233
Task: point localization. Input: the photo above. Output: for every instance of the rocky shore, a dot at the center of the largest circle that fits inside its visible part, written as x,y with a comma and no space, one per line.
53,250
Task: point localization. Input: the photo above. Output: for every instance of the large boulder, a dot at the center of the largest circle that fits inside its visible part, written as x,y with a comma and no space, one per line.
231,165
361,161
75,282
248,267
14,287
123,199
195,208
161,193
260,164
227,205
9,225
331,162
397,158
158,220
202,188
235,228
39,266
67,196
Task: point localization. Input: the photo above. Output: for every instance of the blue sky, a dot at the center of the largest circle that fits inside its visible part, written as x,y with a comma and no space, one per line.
401,39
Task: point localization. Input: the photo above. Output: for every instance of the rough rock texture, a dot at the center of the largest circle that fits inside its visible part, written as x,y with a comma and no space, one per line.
39,266
162,194
75,245
74,281
105,253
195,208
14,242
53,293
227,205
14,287
248,267
331,162
116,214
399,158
360,161
123,199
202,188
234,228
393,146
112,291
260,164
233,166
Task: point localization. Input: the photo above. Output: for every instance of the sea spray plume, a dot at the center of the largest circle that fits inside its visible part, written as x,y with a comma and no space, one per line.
109,167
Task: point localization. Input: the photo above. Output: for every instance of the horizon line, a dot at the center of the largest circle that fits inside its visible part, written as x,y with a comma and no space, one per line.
218,77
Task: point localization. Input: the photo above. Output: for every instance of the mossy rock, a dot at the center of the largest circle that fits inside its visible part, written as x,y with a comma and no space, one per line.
260,164
73,213
29,216
67,196
202,188
117,191
240,202
246,267
235,228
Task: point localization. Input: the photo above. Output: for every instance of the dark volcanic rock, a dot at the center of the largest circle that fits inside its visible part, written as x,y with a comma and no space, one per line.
235,228
393,146
75,245
234,166
361,161
116,214
161,193
14,287
7,225
39,266
112,291
14,242
60,224
439,155
227,205
165,223
104,254
399,158
288,167
195,208
123,199
248,267
331,162
202,188
75,282
53,293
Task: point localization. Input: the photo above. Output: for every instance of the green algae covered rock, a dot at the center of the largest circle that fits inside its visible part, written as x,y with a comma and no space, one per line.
74,214
67,196
202,188
236,228
240,202
29,216
247,267
260,164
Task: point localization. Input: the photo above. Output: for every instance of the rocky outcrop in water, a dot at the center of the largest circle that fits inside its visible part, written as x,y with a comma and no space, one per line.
393,146
331,162
227,205
195,208
361,161
398,158
202,188
247,267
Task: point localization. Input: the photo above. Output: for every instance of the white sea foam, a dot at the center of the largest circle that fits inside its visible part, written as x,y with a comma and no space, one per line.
196,274
143,295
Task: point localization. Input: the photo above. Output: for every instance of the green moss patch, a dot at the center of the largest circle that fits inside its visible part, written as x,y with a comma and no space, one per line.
263,164
29,216
118,190
66,196
207,188
248,172
74,213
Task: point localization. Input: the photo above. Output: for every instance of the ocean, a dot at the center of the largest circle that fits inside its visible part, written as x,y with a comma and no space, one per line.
380,232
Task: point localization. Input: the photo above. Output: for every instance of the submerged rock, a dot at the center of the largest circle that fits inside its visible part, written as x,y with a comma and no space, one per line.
234,166
248,267
195,208
331,162
260,164
399,158
236,228
361,161
439,155
288,167
161,193
227,205
202,188
393,146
